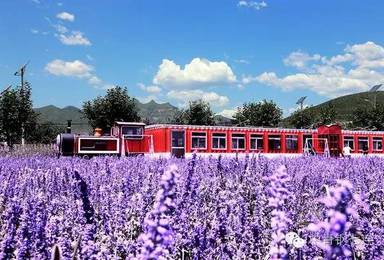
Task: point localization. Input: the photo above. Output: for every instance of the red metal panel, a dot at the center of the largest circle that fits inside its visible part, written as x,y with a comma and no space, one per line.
265,142
370,144
188,145
327,130
282,142
159,139
300,142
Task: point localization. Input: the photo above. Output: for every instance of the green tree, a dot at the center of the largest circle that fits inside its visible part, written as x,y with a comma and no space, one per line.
264,113
10,127
116,105
369,118
327,115
302,118
43,133
197,113
16,113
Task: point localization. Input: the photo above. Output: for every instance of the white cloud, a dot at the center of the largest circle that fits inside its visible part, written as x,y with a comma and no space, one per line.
184,96
36,1
35,31
66,16
252,4
150,89
61,28
94,80
242,61
74,38
300,59
199,72
74,68
77,69
357,69
228,113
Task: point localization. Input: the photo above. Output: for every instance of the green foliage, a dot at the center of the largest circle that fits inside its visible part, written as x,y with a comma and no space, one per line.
43,133
369,118
16,113
197,113
302,118
327,115
264,113
116,105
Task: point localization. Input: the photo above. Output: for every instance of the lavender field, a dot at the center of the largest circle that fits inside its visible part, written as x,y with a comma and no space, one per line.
141,208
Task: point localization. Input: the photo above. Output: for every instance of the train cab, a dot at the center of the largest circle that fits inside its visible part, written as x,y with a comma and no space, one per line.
125,138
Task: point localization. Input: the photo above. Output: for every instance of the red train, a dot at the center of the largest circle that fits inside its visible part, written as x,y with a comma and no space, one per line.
127,138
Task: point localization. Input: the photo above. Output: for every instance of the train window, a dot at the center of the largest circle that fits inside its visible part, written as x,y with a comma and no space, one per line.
291,142
257,142
363,143
274,143
348,141
238,141
132,132
219,141
377,143
199,140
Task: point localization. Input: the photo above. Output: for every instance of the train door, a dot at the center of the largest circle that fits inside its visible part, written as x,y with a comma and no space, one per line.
334,147
178,143
332,135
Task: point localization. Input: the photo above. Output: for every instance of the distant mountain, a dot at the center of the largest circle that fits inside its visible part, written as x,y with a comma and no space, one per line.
150,112
222,120
59,116
155,113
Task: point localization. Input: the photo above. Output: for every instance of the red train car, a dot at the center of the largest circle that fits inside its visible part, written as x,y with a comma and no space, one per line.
125,138
182,140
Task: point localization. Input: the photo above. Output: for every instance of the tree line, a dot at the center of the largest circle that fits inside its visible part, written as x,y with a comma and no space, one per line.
16,113
118,105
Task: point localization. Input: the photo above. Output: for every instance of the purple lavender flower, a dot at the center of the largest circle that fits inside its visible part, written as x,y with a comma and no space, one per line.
338,219
158,236
280,221
8,242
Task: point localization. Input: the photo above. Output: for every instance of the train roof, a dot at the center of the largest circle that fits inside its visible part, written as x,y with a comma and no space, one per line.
231,128
261,129
129,123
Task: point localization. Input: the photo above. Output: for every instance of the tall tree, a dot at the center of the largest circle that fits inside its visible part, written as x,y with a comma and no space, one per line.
369,118
16,113
263,113
42,133
327,115
302,118
10,127
116,105
197,113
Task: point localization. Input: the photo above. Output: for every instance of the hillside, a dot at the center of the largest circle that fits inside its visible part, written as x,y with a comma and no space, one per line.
153,112
59,116
345,105
150,112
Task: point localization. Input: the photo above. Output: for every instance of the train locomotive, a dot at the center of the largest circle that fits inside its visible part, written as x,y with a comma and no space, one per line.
134,138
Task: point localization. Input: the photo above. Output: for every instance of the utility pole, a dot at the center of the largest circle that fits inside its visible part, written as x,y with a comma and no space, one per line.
301,103
20,73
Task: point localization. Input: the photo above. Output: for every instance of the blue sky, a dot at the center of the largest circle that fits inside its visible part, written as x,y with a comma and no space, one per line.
226,51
